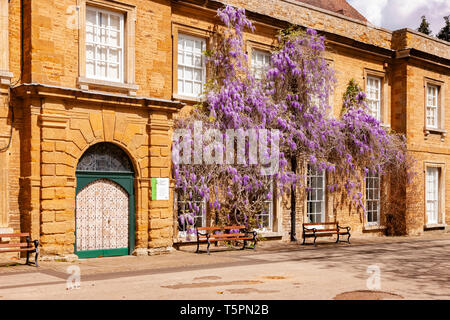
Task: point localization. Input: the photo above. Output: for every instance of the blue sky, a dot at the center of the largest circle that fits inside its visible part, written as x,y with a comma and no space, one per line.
398,14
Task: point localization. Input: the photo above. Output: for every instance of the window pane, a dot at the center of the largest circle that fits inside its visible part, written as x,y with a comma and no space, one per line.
89,34
188,87
188,74
90,52
114,38
101,69
90,68
113,71
188,59
91,17
114,22
197,88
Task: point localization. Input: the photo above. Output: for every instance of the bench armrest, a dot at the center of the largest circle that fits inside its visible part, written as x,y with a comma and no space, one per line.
254,233
348,228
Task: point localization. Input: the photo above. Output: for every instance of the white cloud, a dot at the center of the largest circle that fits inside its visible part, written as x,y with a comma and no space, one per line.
398,14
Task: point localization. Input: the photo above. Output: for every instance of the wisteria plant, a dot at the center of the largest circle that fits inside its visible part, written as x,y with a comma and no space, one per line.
290,99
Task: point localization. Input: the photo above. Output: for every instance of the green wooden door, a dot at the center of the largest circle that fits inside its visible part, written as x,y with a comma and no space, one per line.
101,213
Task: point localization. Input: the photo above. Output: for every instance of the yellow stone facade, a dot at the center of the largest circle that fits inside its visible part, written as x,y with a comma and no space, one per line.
56,114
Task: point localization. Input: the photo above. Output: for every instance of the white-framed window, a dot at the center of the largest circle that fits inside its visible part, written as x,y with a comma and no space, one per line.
191,65
373,198
264,219
432,106
315,202
183,209
432,195
374,96
260,62
104,44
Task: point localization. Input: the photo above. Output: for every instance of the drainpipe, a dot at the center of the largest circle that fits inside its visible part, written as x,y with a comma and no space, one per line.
293,196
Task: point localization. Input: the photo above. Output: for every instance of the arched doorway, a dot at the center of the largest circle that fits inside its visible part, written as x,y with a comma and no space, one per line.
104,210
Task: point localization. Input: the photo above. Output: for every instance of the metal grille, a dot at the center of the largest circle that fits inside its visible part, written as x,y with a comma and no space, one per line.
105,157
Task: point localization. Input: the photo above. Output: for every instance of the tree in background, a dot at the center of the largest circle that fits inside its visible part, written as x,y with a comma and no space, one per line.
424,27
444,34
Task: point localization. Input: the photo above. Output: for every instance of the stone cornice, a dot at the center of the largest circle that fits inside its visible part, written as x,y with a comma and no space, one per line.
43,90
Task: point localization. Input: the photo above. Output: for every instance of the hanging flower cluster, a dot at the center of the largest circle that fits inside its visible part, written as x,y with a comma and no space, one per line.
292,98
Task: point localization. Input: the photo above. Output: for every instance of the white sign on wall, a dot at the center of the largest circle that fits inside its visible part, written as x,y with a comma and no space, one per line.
160,188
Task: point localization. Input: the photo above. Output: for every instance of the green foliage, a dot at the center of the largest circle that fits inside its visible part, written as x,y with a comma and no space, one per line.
292,31
351,95
444,34
424,27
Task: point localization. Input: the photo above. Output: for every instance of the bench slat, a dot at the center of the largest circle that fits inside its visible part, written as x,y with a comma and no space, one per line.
319,223
226,235
320,235
227,239
16,250
12,245
220,228
13,235
320,230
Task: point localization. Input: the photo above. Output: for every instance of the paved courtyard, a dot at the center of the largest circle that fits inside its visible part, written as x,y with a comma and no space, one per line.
374,268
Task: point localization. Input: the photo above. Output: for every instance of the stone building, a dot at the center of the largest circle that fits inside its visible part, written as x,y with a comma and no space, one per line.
89,89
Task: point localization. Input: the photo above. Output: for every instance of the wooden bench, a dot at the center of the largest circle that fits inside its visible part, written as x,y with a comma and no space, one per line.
28,247
211,234
330,228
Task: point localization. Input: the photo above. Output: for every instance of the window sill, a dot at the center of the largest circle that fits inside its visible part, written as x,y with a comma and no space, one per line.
5,77
435,226
92,84
428,131
374,228
4,231
188,98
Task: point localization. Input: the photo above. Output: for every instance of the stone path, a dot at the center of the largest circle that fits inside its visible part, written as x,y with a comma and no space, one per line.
409,268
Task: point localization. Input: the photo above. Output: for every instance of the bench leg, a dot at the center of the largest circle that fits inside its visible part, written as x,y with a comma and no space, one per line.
315,240
254,244
245,243
348,239
209,243
36,256
337,237
198,245
28,258
304,239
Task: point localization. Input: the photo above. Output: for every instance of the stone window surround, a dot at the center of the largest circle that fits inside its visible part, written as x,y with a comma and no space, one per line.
190,31
441,184
441,109
329,215
129,12
253,45
383,192
384,106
